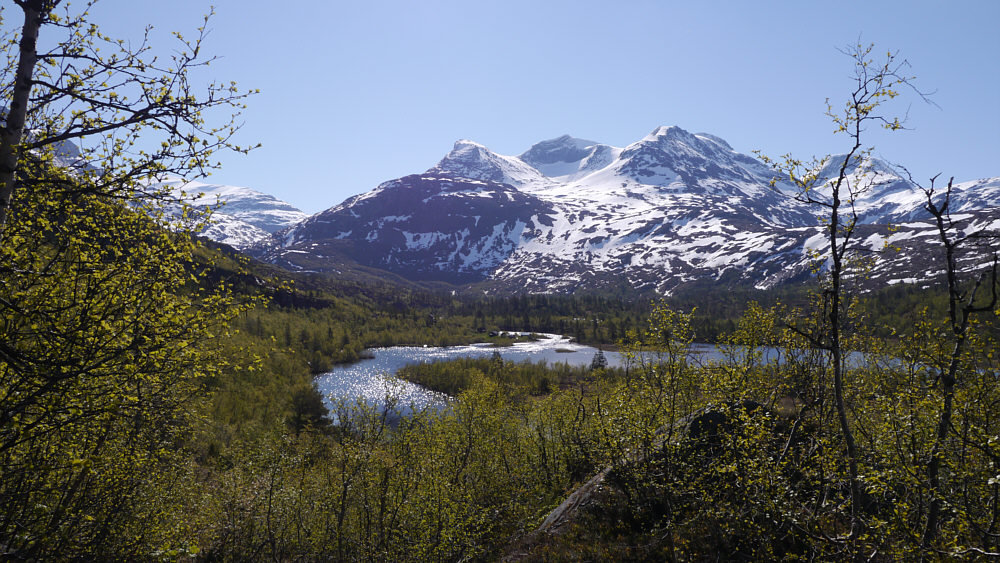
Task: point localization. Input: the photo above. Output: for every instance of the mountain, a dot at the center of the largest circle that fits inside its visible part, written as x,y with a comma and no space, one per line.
419,226
241,216
474,161
966,197
672,209
566,157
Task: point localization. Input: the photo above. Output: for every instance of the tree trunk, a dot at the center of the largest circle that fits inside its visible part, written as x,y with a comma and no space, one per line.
13,129
837,251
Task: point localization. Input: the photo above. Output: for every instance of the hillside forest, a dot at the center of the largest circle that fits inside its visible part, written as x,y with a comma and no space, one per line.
157,398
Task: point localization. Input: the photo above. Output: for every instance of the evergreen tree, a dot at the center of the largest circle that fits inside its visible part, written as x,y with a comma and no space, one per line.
599,361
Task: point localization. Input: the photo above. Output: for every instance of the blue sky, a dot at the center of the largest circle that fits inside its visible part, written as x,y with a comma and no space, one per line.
356,93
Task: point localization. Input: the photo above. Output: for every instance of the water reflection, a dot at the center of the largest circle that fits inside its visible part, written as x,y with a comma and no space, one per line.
373,379
370,379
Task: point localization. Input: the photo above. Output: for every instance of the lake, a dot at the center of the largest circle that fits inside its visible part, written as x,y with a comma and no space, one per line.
372,378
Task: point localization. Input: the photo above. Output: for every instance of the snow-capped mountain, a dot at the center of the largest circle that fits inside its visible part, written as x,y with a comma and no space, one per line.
241,216
420,226
966,197
474,161
671,209
566,157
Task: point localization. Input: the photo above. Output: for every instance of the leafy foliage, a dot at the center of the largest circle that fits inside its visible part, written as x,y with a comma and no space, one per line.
106,340
149,411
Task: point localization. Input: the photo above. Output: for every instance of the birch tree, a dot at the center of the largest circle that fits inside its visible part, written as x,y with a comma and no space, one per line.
107,327
874,84
133,114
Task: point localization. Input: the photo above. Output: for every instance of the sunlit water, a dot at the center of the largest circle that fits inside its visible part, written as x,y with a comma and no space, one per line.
373,379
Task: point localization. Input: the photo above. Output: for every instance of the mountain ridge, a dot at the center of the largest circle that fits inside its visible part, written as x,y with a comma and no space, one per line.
672,209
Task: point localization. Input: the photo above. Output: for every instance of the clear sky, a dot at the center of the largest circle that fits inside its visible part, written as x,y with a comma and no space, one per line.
356,93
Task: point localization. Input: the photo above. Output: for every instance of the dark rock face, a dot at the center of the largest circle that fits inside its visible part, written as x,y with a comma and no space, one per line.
422,226
707,427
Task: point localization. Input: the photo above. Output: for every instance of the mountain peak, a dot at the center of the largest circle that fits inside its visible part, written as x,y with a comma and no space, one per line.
464,151
467,144
667,132
560,149
469,159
